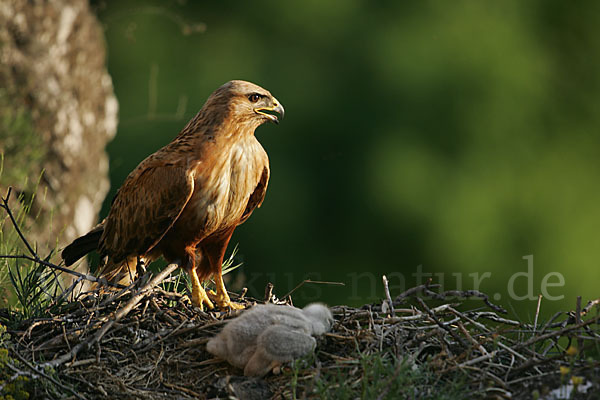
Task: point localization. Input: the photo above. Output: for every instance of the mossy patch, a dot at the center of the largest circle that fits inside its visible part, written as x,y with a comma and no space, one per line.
21,147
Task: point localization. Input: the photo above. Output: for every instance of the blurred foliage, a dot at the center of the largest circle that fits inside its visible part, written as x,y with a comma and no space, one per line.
460,136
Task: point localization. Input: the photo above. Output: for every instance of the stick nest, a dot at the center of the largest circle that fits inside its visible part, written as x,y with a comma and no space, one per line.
145,342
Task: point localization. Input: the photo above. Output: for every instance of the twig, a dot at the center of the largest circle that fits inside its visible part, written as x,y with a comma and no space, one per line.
43,374
14,221
439,323
478,359
386,288
120,314
537,313
534,362
36,259
589,305
551,321
268,293
67,292
33,254
183,389
311,281
493,317
414,290
474,342
557,333
465,294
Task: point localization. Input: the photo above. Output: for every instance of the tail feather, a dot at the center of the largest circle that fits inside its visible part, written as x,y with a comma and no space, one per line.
82,246
123,272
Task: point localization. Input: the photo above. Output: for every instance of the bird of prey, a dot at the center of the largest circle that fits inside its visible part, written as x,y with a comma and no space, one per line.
266,336
184,201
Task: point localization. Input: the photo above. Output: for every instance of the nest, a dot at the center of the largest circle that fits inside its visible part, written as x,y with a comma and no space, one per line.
146,342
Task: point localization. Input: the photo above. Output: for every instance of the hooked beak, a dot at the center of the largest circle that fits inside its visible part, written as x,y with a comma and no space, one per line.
269,111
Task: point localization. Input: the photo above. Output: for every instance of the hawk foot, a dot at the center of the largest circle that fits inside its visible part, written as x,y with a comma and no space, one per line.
223,301
200,299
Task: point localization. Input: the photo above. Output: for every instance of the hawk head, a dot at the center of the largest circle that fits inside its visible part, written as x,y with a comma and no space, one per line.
247,103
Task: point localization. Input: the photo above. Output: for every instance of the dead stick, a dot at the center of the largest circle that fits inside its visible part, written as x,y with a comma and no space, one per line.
311,281
472,361
535,322
557,333
474,342
36,259
268,293
43,374
465,294
14,221
34,256
440,324
388,297
551,321
589,305
120,314
414,290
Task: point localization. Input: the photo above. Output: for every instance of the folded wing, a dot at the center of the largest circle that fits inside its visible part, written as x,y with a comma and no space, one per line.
144,209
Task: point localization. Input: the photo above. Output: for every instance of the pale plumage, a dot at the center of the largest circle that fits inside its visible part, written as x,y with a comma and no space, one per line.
268,335
184,201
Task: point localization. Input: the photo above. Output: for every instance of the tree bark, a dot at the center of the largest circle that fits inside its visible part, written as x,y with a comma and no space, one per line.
57,113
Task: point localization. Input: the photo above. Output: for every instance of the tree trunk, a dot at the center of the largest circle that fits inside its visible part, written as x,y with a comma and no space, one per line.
57,112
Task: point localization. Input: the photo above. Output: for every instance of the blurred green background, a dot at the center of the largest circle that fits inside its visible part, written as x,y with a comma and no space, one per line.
457,136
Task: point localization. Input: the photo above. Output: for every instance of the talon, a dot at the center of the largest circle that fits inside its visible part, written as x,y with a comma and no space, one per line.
199,299
199,296
232,305
198,303
223,301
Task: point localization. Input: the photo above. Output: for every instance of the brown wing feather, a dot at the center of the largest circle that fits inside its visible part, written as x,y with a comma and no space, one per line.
144,209
257,196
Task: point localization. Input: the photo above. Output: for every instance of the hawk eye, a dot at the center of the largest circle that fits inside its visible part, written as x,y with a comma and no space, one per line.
254,97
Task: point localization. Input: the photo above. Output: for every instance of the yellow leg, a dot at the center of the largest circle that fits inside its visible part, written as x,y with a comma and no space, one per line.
199,296
221,297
